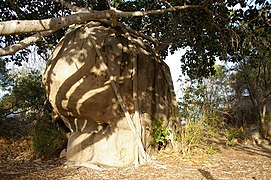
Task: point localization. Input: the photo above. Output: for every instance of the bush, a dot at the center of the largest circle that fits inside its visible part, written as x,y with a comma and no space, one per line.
202,107
46,138
25,98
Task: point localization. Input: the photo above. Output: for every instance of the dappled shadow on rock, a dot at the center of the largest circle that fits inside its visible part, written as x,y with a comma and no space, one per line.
102,81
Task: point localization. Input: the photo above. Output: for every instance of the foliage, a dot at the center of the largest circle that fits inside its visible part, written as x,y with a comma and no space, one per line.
26,97
3,73
206,97
27,10
254,62
25,92
231,142
205,36
206,33
46,137
159,133
233,134
202,108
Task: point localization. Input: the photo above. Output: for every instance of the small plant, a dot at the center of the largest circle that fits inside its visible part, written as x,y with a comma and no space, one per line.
232,142
210,149
46,138
190,136
159,133
232,134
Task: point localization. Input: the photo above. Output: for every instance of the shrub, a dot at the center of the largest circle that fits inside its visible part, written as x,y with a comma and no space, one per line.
46,138
159,133
202,106
25,98
25,92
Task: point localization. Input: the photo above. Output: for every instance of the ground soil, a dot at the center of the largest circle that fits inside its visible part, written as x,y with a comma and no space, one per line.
238,162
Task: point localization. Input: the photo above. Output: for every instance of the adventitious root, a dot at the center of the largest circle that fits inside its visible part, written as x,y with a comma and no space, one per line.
90,165
87,165
155,164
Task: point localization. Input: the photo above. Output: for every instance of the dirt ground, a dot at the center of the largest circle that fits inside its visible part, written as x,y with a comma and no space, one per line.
239,162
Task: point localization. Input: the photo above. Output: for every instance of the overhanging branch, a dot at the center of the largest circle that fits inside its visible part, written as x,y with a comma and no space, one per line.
24,43
46,27
27,26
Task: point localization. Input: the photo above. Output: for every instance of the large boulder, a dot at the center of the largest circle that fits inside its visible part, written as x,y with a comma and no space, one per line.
80,91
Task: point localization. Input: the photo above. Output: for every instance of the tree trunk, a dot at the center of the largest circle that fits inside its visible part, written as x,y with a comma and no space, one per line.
264,125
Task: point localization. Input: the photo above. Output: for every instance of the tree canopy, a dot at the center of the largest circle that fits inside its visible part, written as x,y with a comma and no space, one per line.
204,26
254,62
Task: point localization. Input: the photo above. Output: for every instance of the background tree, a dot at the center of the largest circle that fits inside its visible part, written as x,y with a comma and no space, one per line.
253,57
24,92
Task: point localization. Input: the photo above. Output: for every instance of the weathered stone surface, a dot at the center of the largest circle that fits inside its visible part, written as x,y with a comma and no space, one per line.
80,92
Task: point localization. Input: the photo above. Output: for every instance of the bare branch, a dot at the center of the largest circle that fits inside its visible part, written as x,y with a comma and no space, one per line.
167,3
24,43
71,7
17,10
27,26
137,33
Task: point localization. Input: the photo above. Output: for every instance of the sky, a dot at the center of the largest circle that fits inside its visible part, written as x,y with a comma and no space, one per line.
174,63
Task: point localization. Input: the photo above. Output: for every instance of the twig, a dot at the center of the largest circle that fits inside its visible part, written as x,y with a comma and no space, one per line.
133,32
71,6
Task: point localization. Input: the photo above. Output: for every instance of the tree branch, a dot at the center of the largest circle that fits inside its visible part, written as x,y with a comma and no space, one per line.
71,7
24,43
17,10
137,33
27,26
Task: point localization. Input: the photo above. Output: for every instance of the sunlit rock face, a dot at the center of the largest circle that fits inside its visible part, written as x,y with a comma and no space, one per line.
80,92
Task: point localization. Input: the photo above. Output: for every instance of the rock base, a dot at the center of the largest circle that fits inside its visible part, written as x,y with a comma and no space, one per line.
112,148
